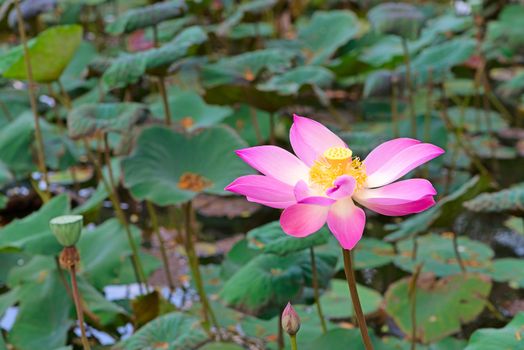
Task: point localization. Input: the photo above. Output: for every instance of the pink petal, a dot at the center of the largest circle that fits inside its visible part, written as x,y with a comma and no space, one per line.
301,220
346,221
399,198
401,163
310,139
344,187
385,151
264,190
304,195
275,162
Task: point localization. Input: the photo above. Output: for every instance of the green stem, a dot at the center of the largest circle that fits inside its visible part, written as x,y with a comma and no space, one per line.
32,99
154,223
412,294
293,342
409,85
79,311
316,293
256,126
113,197
165,101
280,334
272,128
209,315
352,284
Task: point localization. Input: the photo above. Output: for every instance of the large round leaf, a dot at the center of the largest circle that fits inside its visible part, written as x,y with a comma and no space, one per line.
438,256
441,305
170,168
50,52
293,80
508,270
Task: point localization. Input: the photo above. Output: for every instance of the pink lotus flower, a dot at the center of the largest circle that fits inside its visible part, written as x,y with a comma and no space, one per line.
325,180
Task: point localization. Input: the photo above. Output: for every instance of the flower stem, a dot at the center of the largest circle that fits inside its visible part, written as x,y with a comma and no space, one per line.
78,306
394,105
209,315
457,253
32,99
154,224
280,334
314,274
293,342
352,284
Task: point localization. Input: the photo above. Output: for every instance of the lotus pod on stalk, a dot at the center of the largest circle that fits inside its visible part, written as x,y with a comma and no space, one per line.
403,20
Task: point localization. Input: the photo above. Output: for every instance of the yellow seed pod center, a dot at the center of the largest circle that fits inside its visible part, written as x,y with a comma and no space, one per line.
337,155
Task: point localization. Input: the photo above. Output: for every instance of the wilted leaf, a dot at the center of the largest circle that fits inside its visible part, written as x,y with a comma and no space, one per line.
508,200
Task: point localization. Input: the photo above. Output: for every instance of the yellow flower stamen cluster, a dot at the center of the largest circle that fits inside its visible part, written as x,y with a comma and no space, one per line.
335,162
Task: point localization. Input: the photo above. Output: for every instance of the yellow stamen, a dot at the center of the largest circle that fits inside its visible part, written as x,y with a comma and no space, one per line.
335,162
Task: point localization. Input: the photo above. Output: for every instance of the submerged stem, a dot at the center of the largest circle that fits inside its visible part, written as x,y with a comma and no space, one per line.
79,311
316,293
209,315
352,284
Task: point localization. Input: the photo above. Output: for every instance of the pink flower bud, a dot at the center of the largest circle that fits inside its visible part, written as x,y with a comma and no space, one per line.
290,320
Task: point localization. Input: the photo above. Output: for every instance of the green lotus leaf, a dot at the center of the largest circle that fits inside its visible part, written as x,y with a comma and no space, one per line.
508,337
50,53
163,171
441,305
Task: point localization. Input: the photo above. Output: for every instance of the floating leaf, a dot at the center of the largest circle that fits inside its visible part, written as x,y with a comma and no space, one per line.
338,339
221,346
442,305
90,119
401,19
171,331
508,270
32,233
336,304
159,172
50,53
437,255
290,82
191,111
511,199
326,32
508,337
146,16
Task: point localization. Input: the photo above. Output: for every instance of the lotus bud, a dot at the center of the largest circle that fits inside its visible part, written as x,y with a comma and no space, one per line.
67,229
400,19
290,320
